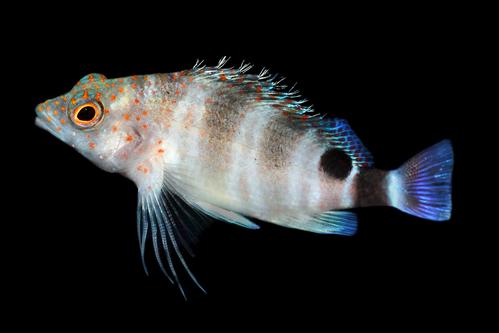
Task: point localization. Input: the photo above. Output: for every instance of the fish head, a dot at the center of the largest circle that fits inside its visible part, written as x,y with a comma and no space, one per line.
94,118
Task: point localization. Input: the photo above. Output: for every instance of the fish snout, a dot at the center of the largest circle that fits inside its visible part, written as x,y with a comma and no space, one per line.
50,116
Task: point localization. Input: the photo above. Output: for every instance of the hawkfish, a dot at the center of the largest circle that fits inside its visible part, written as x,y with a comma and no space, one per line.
226,144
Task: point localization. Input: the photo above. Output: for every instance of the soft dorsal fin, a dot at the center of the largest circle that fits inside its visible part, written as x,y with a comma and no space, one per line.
341,136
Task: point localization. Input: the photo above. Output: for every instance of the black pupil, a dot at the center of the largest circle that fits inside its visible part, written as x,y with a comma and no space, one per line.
86,114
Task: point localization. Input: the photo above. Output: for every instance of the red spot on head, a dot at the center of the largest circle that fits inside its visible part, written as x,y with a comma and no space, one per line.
113,98
145,113
91,145
126,116
120,89
145,126
160,142
259,89
97,96
161,151
129,138
85,94
136,101
63,121
114,128
142,168
134,85
137,118
223,77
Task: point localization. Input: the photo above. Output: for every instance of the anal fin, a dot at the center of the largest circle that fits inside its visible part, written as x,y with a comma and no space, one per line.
331,222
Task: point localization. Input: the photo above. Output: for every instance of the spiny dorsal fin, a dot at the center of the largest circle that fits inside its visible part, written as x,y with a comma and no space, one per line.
268,90
263,88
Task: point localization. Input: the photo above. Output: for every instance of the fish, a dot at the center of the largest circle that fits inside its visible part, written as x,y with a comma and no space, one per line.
223,143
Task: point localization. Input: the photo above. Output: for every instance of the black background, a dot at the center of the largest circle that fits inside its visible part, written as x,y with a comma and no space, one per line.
401,87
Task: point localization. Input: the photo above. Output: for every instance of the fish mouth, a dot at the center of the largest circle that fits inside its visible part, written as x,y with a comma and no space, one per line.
43,125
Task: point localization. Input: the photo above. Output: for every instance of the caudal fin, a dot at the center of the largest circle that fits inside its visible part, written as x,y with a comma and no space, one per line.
422,186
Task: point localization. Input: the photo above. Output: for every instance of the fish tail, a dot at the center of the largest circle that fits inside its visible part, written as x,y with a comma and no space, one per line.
422,186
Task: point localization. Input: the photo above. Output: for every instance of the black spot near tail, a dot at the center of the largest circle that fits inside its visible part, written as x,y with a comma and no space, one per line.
336,163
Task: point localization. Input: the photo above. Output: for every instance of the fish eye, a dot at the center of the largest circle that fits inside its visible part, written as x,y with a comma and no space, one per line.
87,115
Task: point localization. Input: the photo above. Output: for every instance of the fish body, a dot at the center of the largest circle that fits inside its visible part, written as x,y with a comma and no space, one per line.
233,145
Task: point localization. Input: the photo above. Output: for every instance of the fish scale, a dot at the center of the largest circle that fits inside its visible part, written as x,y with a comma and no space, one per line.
231,145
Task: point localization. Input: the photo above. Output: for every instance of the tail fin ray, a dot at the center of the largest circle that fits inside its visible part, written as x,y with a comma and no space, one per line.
422,186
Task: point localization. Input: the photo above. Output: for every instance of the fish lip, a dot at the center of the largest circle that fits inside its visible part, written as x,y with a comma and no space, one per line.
43,125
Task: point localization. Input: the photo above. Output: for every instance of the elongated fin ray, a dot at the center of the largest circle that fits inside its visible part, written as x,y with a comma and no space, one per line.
155,212
142,229
154,234
166,219
160,224
193,222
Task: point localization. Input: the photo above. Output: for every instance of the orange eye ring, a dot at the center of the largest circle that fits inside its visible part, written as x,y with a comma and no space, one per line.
87,115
